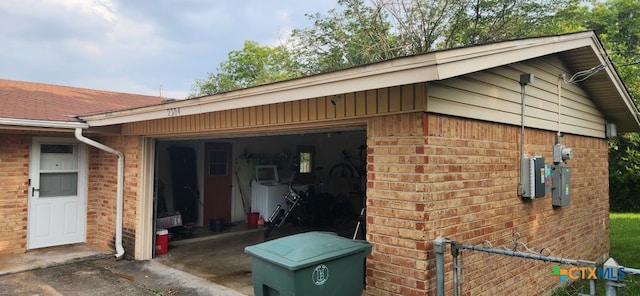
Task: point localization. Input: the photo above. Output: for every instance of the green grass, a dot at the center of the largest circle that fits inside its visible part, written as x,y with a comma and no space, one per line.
625,249
625,238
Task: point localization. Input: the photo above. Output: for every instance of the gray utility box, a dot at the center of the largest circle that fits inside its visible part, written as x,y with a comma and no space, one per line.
533,176
561,186
311,263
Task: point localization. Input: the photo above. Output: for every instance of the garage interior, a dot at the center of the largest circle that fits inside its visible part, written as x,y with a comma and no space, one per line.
208,186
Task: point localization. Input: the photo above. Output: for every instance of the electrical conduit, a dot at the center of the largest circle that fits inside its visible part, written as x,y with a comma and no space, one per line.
120,184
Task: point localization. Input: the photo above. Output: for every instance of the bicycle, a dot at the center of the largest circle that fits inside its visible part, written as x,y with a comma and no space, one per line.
351,166
293,199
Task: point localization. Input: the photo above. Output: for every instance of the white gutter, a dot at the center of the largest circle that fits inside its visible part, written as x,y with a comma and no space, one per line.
42,123
120,183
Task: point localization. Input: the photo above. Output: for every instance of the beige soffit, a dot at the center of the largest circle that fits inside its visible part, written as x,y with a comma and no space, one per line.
406,70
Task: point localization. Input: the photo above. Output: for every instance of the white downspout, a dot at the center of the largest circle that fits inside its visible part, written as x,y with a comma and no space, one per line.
119,185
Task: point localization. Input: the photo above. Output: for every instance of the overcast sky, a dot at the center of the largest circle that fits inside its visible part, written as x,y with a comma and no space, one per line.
136,46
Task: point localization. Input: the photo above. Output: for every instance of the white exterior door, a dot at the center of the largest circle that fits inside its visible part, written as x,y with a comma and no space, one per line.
57,192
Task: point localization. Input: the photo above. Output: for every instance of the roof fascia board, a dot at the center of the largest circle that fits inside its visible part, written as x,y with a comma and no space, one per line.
449,67
617,81
45,124
368,77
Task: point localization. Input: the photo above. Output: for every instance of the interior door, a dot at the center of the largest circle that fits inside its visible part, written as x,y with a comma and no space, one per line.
218,181
57,193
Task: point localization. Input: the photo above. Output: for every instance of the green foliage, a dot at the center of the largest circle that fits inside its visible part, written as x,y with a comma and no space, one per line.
624,173
482,21
357,35
617,23
253,65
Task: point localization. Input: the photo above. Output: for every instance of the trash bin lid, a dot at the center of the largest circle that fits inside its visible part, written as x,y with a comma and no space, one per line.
306,249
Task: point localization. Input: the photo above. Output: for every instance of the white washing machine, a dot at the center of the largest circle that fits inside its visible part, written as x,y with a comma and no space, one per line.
266,191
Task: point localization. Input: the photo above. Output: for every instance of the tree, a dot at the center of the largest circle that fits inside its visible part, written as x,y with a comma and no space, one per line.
253,65
357,35
366,32
617,23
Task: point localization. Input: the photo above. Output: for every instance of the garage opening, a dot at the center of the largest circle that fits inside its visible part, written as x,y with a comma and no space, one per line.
218,185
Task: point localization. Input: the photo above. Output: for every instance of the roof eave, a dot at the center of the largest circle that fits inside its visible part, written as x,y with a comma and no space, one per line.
406,70
17,123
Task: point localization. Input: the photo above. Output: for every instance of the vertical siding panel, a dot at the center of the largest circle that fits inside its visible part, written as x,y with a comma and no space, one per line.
383,100
371,103
295,111
304,110
240,119
247,116
288,112
265,114
228,119
207,120
350,105
340,106
258,115
280,113
252,116
313,109
273,114
218,119
195,122
395,99
178,123
408,97
361,103
200,121
166,125
322,108
331,109
236,115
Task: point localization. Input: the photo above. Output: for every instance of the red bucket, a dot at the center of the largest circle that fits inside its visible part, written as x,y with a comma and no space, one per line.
252,218
162,241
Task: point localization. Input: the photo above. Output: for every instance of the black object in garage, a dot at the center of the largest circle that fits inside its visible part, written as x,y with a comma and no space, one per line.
184,178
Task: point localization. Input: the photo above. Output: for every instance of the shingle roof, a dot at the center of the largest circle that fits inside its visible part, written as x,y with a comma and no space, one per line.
39,101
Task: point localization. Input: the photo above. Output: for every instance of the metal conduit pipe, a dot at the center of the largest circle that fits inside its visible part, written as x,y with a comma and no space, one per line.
119,191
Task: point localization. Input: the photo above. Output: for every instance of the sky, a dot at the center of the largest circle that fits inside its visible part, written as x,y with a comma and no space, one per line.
138,46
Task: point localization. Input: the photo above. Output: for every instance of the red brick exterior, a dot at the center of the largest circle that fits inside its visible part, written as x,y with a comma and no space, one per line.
101,201
432,175
102,192
14,187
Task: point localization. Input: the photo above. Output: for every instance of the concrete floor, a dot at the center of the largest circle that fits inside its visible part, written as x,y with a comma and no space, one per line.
220,258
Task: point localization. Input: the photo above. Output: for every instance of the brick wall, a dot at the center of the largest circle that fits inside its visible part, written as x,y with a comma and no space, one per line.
102,193
396,212
436,175
14,186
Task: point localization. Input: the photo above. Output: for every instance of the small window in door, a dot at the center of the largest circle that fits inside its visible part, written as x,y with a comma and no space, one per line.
218,163
306,162
58,170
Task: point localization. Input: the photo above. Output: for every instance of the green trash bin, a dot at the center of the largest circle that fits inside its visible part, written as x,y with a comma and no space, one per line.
307,264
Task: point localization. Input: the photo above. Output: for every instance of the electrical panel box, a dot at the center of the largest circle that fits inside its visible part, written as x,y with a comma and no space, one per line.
533,177
561,194
548,180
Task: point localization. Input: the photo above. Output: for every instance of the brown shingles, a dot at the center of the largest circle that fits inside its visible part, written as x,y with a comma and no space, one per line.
38,101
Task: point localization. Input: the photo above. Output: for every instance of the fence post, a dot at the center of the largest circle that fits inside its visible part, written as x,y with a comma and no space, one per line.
454,253
611,285
440,247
